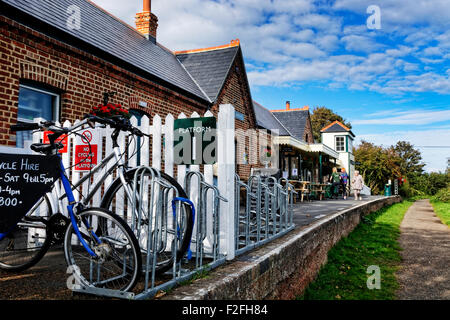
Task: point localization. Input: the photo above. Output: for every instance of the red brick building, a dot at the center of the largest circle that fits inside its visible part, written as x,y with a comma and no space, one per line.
57,58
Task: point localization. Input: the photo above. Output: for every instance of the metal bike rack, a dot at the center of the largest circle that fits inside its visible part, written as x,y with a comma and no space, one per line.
201,226
158,229
267,211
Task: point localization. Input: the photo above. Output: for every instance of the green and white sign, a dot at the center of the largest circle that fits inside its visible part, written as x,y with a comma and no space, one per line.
195,141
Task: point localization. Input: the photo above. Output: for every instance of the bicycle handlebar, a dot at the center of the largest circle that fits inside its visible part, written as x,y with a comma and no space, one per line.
117,122
25,126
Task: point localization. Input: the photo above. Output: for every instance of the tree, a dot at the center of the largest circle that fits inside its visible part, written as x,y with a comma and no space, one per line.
321,117
377,165
410,158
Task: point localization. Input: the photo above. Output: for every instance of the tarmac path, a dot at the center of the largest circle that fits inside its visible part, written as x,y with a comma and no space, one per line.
425,269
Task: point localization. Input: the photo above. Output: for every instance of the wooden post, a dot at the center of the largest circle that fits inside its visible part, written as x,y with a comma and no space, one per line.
226,179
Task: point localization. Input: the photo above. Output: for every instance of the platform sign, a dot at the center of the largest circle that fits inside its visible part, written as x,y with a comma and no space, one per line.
24,179
63,139
195,141
85,152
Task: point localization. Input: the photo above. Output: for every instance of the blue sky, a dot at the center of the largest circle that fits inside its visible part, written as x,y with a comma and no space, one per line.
391,83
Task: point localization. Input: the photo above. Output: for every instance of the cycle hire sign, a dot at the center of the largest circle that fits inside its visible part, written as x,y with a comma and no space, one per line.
195,141
86,151
24,179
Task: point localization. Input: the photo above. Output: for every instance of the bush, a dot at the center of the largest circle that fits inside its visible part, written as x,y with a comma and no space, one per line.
428,183
409,192
443,195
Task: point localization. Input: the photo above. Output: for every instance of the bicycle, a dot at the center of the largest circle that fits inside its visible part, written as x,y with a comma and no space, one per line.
99,246
118,198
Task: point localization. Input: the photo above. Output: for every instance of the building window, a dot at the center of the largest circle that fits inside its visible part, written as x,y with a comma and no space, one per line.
35,103
340,144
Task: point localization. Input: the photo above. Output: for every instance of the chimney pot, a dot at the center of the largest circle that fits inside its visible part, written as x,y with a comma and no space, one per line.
288,105
147,6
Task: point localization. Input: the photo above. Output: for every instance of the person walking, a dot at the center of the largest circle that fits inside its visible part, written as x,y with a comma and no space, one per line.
344,182
357,185
335,179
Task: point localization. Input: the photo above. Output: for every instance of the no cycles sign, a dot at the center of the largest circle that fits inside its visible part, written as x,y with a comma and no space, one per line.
86,154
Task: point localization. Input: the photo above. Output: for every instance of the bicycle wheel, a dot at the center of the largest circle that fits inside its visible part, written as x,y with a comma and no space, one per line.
116,200
28,242
118,262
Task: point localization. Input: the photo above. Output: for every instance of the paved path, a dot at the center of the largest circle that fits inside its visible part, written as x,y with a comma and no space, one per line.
306,212
425,270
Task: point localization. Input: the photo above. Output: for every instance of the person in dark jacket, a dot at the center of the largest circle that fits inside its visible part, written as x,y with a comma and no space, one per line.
335,179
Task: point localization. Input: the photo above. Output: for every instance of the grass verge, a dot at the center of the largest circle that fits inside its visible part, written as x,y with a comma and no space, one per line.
442,210
372,243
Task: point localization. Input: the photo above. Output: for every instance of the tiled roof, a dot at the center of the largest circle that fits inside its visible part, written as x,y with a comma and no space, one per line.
266,119
336,126
294,121
112,36
209,68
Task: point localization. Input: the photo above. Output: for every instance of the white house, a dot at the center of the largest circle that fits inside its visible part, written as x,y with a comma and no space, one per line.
340,138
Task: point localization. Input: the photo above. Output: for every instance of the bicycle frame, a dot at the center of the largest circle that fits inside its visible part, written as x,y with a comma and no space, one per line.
119,162
68,187
70,209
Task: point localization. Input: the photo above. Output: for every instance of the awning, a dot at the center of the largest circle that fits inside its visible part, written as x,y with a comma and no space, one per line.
291,141
317,147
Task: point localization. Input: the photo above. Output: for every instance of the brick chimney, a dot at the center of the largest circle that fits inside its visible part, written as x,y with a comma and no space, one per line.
147,22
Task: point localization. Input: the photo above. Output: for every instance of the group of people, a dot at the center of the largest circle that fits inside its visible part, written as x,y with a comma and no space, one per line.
341,180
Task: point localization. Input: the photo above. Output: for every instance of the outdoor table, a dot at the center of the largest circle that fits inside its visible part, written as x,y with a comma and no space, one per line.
302,187
318,189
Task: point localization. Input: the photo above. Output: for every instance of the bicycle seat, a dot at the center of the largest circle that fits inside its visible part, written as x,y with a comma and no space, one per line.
44,147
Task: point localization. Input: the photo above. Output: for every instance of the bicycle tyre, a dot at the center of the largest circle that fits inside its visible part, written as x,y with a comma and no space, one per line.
16,252
165,262
118,251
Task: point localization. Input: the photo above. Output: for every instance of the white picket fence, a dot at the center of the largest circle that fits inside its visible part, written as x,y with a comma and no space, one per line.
161,156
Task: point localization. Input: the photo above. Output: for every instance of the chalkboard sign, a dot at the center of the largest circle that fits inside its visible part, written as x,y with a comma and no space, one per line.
24,179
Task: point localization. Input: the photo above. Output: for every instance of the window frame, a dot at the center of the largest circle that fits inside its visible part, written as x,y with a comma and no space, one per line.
341,142
56,105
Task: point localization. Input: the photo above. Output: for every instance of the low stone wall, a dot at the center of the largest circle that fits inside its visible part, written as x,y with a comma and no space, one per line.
283,268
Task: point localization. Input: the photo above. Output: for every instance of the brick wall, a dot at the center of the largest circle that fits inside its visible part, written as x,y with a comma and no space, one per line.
237,93
81,79
308,136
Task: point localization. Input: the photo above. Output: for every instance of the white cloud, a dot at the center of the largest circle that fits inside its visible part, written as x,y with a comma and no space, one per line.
411,117
303,40
402,12
435,158
360,44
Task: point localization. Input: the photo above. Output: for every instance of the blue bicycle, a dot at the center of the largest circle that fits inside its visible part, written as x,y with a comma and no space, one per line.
99,247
